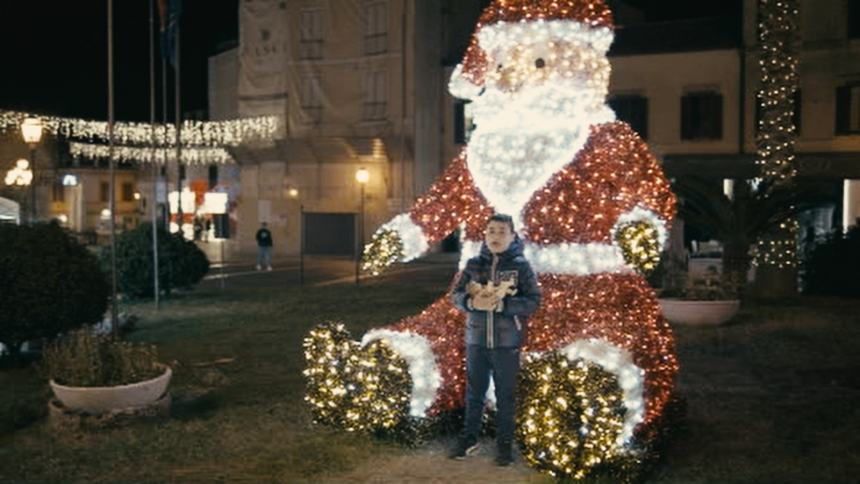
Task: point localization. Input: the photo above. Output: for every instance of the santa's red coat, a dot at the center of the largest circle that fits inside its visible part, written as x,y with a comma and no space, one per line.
611,175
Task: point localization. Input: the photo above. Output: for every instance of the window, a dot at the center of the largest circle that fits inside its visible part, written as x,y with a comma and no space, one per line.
310,34
702,116
105,192
633,110
375,28
213,176
848,109
375,95
853,19
796,118
463,122
311,98
127,192
460,123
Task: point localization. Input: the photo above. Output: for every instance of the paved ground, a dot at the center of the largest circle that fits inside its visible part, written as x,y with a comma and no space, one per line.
314,271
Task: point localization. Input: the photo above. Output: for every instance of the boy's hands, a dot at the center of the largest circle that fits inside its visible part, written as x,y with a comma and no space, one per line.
485,301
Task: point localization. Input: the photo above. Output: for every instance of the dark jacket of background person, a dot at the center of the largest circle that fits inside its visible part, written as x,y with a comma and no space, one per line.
264,238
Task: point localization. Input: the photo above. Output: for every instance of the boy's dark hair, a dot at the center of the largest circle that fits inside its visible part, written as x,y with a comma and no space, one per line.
505,219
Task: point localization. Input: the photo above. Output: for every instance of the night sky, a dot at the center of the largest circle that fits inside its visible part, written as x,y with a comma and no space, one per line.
54,52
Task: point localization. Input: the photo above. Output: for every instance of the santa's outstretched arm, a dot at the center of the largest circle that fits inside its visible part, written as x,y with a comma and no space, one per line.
452,200
647,202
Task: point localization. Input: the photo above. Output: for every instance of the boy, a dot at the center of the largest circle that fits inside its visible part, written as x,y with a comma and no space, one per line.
497,290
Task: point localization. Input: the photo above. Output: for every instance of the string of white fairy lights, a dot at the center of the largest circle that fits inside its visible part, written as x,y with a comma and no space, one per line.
194,133
190,155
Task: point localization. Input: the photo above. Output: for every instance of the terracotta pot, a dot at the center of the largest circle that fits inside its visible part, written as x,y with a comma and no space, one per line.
699,313
97,400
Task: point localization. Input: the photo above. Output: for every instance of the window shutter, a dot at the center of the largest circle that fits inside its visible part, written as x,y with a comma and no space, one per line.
843,109
687,115
717,113
459,123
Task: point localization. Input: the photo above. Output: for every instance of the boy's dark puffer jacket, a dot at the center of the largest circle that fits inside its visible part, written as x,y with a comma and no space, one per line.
504,328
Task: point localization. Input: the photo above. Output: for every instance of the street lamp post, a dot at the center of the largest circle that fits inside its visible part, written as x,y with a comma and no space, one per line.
31,131
362,176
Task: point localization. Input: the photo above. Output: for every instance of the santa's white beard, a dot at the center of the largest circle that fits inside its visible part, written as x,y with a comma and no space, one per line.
522,139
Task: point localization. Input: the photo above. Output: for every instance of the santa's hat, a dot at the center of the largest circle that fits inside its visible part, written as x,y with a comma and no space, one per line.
585,21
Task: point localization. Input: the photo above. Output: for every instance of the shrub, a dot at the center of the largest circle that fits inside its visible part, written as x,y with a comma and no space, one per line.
831,268
49,284
85,359
181,264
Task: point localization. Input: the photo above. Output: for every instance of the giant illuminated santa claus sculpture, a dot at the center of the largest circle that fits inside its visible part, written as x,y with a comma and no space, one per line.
593,208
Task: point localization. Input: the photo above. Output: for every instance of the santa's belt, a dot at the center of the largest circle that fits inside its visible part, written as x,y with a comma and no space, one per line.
573,259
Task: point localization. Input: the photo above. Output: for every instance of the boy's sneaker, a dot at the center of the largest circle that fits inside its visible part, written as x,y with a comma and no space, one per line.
466,446
504,454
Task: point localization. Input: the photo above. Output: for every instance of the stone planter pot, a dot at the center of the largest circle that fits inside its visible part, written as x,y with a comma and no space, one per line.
699,313
98,400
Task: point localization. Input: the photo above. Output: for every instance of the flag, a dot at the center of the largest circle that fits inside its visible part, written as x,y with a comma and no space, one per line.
169,12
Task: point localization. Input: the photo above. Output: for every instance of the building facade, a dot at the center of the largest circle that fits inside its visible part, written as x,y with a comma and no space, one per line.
359,84
690,88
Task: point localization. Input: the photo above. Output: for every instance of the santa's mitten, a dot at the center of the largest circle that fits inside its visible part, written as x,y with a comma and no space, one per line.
354,387
385,248
640,245
399,240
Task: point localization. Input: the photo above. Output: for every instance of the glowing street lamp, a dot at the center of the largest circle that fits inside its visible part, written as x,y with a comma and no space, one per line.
31,131
362,176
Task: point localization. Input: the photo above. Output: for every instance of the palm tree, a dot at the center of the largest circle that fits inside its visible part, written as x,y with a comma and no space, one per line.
737,222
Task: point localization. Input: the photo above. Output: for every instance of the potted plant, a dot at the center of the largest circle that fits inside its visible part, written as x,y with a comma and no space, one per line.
739,220
705,300
98,374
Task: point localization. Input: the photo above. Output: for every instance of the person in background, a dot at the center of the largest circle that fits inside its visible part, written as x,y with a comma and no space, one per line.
264,248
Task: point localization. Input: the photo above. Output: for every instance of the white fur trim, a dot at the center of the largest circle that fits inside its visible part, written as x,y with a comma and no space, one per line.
631,378
468,249
575,259
411,234
642,214
500,34
417,352
460,87
568,259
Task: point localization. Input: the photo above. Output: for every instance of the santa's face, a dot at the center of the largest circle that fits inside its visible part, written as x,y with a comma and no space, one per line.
534,114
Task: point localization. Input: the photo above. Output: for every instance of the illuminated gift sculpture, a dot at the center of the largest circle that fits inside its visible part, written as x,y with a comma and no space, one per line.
593,207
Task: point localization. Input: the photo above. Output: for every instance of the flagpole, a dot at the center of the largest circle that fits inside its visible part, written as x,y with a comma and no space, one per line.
112,163
154,201
178,117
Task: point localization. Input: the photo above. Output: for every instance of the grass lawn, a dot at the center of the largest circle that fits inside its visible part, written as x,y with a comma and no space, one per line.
770,398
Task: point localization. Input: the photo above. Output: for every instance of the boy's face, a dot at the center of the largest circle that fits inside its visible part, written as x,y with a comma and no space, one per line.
498,236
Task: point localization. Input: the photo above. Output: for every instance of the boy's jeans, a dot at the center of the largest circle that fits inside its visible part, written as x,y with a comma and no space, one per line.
264,256
504,363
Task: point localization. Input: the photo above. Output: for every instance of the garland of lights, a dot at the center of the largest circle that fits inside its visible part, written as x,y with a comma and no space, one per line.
190,155
194,133
778,33
569,416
